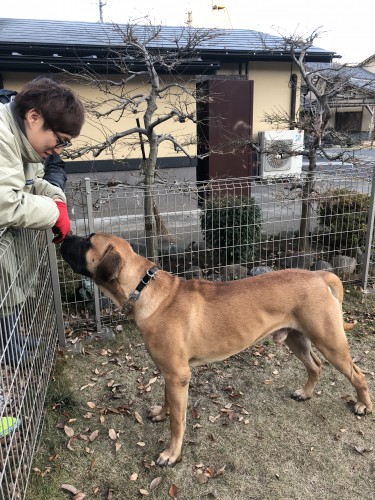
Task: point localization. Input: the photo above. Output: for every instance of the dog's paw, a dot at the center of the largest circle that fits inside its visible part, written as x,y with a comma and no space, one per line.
300,395
158,413
167,459
361,409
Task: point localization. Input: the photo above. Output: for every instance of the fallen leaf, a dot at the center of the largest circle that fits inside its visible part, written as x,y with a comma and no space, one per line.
201,478
138,417
144,492
155,483
91,405
133,477
112,434
68,431
211,437
361,450
93,435
87,385
70,488
79,496
220,471
141,444
118,446
172,492
70,444
42,473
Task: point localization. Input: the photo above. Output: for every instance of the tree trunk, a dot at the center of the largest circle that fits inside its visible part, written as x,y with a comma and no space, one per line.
150,226
306,208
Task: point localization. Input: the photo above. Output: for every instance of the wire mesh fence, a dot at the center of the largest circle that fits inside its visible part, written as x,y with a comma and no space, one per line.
219,230
28,337
227,229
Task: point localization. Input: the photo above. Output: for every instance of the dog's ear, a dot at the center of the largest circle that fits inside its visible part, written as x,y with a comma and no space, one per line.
109,267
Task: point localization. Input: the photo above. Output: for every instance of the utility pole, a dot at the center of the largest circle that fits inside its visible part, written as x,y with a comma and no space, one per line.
101,5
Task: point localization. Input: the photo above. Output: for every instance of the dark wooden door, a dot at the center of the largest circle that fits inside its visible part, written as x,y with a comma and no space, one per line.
225,122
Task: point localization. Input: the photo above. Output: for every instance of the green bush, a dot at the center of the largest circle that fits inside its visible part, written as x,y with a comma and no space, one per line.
343,216
231,227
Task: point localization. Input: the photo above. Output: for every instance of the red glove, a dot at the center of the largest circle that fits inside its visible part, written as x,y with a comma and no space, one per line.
62,226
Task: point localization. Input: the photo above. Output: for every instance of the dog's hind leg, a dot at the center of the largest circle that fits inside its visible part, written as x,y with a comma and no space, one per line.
176,391
338,354
301,347
160,413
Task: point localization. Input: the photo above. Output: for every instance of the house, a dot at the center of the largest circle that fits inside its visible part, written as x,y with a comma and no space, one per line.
353,107
29,48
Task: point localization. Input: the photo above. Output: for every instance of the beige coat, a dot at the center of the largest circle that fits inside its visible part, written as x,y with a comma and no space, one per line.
26,199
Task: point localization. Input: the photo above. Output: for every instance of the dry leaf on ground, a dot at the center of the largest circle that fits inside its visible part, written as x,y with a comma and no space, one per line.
173,490
155,483
70,488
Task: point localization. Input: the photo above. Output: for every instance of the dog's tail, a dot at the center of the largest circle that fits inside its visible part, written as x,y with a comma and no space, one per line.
336,288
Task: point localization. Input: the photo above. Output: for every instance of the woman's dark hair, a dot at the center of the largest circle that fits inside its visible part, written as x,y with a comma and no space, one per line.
60,107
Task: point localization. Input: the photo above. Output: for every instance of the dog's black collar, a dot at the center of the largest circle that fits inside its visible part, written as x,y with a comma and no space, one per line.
134,295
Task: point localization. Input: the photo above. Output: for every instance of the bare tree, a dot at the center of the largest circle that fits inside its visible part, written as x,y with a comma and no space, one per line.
323,86
141,91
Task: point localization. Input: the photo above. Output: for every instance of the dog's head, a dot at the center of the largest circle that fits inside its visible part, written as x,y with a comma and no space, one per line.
95,256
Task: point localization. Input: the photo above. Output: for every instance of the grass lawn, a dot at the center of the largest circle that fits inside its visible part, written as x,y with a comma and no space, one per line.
245,437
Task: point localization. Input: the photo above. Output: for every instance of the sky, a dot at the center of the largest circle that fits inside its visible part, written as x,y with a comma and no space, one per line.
346,28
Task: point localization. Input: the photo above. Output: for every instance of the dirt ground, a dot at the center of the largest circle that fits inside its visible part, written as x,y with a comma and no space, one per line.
245,437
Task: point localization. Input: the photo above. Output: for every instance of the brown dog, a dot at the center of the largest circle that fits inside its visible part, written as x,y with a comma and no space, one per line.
190,323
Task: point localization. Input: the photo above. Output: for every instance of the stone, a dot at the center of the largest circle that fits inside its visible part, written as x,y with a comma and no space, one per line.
256,271
300,261
343,265
234,272
321,265
194,272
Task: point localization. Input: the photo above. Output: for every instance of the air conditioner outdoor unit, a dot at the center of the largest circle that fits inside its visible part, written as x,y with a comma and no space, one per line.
276,144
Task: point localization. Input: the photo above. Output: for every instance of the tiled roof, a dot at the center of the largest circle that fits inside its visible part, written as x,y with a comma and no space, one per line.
359,77
73,33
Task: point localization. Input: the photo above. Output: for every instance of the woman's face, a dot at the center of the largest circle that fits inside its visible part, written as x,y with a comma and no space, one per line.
44,141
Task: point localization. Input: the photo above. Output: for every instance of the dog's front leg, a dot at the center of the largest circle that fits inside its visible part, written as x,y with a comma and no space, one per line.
176,393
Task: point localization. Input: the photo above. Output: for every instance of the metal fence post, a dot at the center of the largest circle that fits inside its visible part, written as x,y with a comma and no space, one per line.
56,289
370,235
91,225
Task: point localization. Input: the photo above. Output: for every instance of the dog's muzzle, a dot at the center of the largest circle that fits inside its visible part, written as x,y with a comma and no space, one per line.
74,250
